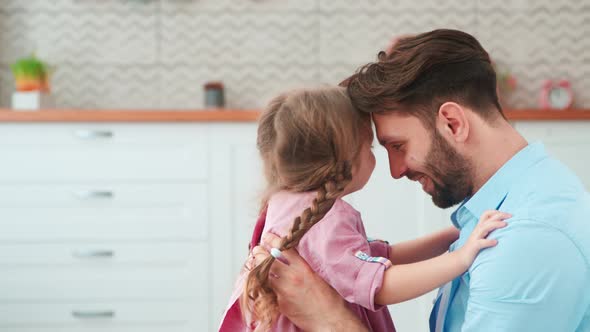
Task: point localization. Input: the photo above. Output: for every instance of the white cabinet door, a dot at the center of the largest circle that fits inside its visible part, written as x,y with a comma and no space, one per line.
107,227
73,152
107,316
235,188
104,211
83,272
566,141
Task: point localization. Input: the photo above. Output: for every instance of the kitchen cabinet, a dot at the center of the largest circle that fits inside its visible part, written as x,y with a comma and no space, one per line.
143,225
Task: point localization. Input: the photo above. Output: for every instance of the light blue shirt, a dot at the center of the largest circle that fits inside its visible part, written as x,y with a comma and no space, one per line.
538,276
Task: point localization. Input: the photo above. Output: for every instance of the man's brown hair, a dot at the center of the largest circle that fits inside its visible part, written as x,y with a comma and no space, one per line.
423,72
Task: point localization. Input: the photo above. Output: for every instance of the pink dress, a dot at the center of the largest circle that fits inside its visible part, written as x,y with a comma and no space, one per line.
337,249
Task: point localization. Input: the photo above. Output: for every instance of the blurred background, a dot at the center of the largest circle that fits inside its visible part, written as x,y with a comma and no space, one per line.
158,54
129,203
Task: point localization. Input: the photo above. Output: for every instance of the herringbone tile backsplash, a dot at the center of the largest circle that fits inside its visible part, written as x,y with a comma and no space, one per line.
150,54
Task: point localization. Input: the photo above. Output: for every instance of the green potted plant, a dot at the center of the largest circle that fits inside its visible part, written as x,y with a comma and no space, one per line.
31,77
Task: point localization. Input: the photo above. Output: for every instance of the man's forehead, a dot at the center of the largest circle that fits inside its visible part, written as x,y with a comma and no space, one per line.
394,127
386,121
387,133
390,116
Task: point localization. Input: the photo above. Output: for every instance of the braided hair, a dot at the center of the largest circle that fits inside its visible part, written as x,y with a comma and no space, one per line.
309,141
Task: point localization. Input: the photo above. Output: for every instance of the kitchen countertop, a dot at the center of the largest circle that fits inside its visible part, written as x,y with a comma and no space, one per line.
224,115
71,115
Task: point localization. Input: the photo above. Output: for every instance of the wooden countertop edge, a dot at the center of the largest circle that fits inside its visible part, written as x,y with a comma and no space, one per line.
209,115
548,115
225,115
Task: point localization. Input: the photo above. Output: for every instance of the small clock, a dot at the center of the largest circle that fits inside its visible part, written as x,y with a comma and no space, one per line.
557,95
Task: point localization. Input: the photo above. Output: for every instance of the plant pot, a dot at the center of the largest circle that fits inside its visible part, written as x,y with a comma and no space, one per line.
31,101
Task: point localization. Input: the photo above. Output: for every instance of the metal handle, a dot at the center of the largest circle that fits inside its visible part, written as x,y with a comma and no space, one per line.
94,194
93,314
94,134
93,253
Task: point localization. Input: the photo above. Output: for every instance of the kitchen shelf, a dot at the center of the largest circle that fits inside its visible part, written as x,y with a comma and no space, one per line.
548,115
70,115
226,115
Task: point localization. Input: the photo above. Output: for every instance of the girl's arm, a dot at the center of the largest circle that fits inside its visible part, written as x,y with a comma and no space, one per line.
408,281
423,248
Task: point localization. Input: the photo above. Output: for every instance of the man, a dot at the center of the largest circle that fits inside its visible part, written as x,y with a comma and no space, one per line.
433,100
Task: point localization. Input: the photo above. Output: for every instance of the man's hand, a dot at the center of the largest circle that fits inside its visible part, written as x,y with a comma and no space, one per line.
304,297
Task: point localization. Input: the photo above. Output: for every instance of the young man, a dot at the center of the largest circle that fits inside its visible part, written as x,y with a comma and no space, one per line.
433,100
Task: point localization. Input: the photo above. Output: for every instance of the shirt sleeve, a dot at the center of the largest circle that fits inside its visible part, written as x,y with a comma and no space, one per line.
530,281
331,248
379,248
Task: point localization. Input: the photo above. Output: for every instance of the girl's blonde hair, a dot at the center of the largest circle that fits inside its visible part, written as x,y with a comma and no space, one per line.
309,140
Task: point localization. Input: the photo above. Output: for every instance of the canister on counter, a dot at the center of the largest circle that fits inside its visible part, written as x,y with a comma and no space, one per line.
214,97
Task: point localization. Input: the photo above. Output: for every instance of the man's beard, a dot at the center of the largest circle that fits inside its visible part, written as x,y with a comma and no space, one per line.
452,174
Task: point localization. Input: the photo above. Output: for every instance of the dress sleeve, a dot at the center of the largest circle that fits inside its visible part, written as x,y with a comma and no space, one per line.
339,252
379,248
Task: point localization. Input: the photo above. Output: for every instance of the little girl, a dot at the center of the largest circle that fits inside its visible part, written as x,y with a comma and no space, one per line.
316,149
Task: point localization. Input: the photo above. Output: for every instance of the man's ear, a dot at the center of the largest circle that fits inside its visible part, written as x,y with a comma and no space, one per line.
452,121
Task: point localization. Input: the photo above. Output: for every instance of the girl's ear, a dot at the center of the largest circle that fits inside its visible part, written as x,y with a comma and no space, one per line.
452,121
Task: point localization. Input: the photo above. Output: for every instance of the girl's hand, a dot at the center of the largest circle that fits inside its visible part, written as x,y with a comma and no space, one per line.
488,222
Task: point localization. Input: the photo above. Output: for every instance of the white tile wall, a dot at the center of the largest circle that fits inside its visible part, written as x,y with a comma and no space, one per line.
239,39
158,53
67,37
80,5
355,37
113,86
238,6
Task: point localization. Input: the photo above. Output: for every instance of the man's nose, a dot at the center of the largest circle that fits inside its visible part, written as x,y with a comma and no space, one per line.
397,167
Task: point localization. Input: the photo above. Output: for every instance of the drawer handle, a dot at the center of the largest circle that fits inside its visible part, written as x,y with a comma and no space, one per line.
91,314
94,194
94,134
94,253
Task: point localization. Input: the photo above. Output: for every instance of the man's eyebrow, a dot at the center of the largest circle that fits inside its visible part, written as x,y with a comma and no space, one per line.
387,139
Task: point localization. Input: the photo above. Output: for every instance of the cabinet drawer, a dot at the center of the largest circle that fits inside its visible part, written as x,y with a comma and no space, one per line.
103,211
173,316
70,152
104,272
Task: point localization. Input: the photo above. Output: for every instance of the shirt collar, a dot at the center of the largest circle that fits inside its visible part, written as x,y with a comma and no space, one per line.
495,190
